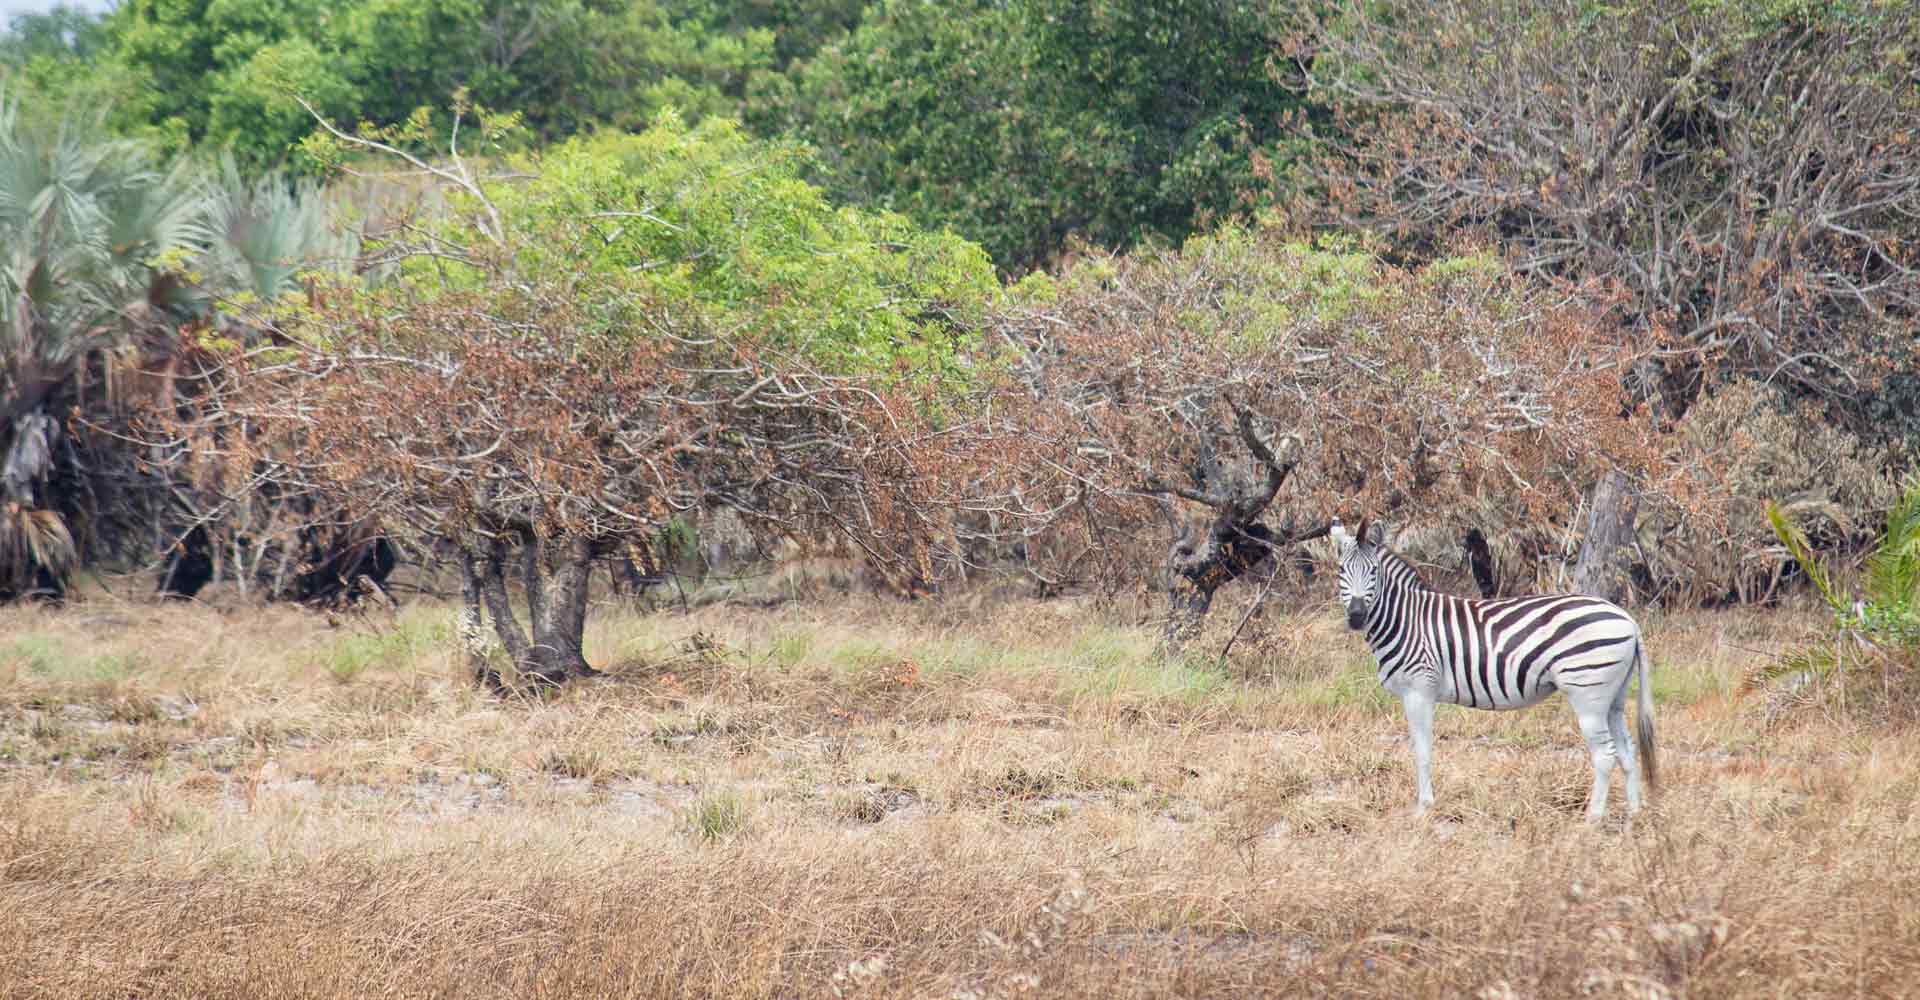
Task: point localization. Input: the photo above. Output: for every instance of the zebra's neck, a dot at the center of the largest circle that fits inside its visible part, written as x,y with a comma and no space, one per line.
1392,627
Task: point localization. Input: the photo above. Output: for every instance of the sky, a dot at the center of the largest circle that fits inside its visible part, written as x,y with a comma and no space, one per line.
8,8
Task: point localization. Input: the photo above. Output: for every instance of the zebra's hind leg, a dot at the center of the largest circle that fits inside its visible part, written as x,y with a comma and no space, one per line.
1623,748
1600,745
1418,705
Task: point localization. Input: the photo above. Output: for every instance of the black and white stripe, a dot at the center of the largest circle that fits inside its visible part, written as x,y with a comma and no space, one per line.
1499,654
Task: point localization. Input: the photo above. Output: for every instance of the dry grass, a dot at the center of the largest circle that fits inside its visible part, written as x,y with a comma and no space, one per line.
877,801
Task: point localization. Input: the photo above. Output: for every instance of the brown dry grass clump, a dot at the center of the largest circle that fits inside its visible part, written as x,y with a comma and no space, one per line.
878,801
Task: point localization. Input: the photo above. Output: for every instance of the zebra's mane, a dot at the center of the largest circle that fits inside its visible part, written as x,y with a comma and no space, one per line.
1391,560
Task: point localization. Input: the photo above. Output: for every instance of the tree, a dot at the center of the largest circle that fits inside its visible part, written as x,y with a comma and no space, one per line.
1267,384
113,250
266,237
707,216
234,75
565,65
1746,173
60,34
799,28
1020,124
651,327
179,47
85,220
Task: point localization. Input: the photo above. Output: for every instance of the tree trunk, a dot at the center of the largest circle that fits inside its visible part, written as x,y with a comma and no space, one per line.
29,457
550,649
531,583
1598,572
1197,567
473,616
1236,541
30,439
493,594
189,565
560,622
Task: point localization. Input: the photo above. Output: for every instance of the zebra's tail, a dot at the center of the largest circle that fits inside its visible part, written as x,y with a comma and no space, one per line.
1643,720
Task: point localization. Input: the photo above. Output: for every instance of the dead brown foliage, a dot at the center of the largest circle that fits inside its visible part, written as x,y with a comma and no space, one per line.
1251,369
1747,174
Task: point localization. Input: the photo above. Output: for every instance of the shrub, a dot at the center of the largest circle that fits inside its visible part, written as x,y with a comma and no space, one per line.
1737,446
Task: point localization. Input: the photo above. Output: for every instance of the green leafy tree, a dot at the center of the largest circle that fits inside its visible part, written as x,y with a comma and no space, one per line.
632,331
58,59
186,51
799,28
255,110
63,33
225,73
1022,123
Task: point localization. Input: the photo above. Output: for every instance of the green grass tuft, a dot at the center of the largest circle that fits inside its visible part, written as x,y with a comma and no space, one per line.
718,817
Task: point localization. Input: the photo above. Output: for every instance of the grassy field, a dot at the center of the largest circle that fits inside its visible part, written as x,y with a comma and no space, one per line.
874,800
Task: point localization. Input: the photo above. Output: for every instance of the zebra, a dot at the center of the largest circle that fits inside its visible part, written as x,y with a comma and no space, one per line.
1499,654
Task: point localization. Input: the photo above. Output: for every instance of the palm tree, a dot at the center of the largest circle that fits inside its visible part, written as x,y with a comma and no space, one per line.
88,224
97,240
265,232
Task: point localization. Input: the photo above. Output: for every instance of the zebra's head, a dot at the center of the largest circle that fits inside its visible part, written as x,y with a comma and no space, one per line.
1359,569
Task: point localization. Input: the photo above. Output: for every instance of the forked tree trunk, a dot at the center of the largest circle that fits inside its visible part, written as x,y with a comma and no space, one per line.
1200,563
549,649
1600,571
560,628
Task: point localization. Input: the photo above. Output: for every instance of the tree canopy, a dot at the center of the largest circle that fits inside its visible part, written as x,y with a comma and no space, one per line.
1022,124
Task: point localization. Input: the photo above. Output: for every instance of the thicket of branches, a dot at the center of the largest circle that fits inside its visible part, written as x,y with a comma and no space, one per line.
533,429
1747,175
111,253
1250,387
1542,248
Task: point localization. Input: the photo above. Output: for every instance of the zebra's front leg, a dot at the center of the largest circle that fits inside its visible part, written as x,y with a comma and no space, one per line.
1418,705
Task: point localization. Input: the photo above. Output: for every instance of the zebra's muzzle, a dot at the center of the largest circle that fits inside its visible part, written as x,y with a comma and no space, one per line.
1357,616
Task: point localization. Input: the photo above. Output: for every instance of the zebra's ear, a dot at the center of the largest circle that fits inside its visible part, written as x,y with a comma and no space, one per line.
1375,532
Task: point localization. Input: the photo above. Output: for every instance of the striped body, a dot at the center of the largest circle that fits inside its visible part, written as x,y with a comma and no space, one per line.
1498,654
1436,648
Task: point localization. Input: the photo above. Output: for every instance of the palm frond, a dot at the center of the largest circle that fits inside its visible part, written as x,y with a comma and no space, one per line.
266,232
30,538
83,217
156,212
1893,571
1795,540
